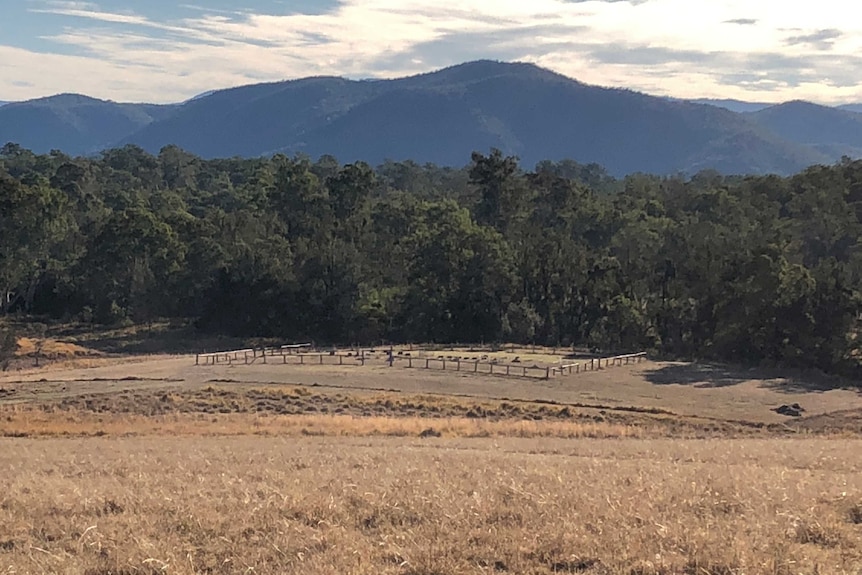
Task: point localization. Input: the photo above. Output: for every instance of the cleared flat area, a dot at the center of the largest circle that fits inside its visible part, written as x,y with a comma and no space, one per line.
684,389
103,506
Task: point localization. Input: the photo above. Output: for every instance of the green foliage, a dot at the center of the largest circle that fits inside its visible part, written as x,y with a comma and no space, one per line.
760,269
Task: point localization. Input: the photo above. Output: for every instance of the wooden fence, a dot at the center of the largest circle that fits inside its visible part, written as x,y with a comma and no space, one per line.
517,370
225,356
289,355
249,355
284,355
476,366
598,363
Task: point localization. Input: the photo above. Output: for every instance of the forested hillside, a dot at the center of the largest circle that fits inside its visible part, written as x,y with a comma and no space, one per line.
832,131
442,116
73,123
756,269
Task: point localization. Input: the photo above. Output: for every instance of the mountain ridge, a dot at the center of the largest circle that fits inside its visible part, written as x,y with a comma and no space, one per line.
74,123
832,131
443,116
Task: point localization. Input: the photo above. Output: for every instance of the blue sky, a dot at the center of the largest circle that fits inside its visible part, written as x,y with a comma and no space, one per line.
161,51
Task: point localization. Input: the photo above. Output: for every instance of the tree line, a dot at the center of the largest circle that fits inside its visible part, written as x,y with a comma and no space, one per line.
759,269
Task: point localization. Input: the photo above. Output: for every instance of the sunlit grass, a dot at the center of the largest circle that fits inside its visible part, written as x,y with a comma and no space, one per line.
442,506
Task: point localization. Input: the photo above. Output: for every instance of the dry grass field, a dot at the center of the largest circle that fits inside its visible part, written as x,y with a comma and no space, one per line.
118,465
102,506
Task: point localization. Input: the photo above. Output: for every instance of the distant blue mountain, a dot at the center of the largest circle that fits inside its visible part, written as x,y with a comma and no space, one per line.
834,132
73,123
852,108
443,116
733,105
201,95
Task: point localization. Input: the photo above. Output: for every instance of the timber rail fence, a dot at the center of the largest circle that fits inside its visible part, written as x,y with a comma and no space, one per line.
599,363
294,355
518,370
249,355
477,366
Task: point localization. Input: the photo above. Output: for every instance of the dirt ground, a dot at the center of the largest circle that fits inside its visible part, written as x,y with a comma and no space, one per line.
688,390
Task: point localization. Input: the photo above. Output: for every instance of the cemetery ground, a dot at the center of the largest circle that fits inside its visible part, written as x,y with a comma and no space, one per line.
118,463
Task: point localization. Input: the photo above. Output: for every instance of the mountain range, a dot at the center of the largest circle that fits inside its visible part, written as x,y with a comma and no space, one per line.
851,108
443,116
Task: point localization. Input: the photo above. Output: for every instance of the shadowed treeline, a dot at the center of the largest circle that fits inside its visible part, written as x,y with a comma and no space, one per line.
755,270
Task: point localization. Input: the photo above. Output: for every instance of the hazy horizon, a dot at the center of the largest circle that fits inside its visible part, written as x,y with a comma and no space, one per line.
165,52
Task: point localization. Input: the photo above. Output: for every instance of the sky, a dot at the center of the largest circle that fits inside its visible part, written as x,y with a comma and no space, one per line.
160,51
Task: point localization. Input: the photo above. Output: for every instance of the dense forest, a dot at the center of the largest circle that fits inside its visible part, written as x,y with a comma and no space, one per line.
752,269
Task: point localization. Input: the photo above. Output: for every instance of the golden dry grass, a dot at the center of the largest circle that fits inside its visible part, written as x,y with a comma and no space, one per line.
154,465
51,348
25,422
421,507
229,410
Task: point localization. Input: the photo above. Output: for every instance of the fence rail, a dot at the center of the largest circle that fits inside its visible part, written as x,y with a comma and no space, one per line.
224,356
517,370
250,355
292,355
476,366
599,363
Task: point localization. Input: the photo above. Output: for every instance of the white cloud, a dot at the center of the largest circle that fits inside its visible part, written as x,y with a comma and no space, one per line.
673,47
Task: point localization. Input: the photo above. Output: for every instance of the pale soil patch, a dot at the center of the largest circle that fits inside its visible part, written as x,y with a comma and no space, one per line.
420,507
